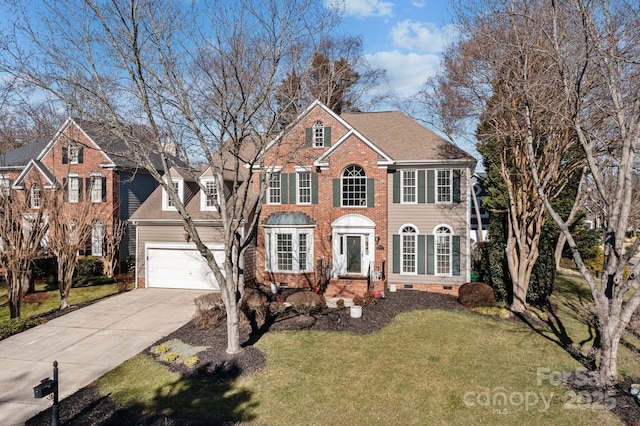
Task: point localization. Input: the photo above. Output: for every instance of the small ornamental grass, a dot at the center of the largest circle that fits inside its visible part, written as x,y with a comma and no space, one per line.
191,361
171,357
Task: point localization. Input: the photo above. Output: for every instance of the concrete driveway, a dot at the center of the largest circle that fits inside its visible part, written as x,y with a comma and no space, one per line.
86,343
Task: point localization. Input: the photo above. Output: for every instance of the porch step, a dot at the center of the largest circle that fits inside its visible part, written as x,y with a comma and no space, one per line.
346,288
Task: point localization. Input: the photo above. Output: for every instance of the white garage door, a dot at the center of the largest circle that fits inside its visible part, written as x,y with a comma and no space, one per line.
180,268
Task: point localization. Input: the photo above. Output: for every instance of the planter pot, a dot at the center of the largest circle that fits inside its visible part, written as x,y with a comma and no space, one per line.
393,288
275,288
355,311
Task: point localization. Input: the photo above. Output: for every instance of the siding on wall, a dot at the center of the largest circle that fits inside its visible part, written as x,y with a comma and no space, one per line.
133,190
425,217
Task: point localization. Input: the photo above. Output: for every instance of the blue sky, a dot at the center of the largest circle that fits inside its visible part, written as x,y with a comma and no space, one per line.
405,37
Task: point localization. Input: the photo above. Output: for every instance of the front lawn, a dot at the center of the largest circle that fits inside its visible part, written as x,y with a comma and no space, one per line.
426,367
43,301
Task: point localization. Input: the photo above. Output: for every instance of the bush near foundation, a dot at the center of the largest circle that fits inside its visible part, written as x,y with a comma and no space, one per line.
307,302
476,294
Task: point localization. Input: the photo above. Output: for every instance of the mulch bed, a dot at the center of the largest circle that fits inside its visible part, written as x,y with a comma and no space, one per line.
89,407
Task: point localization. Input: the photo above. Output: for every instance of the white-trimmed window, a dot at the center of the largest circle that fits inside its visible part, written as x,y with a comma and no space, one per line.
409,186
74,189
5,185
74,153
318,134
178,186
210,200
409,247
444,186
354,187
35,196
97,238
96,189
304,187
443,250
274,193
289,249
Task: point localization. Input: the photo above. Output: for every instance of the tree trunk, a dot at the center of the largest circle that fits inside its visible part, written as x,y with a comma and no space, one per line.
559,247
608,366
233,325
15,295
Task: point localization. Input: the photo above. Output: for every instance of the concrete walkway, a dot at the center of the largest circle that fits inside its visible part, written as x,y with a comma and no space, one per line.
86,343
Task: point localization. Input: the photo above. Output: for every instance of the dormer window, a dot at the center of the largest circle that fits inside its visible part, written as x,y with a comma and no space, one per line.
209,200
318,134
178,187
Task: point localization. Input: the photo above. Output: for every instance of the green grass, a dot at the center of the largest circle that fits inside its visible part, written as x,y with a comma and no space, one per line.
426,367
49,301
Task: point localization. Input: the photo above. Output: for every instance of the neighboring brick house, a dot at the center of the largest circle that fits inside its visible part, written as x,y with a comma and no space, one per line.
362,201
81,160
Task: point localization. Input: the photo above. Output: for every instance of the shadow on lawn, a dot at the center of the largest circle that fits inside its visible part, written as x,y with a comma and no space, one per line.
186,401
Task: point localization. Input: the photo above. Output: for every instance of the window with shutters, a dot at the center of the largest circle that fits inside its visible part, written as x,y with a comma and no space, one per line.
74,189
274,193
74,153
444,185
96,189
318,134
354,187
443,250
409,247
304,187
408,186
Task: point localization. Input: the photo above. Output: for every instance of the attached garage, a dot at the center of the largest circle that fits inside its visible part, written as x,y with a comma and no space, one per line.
180,266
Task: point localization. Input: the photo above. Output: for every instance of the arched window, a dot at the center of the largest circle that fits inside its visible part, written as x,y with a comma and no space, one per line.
409,247
318,134
354,187
443,236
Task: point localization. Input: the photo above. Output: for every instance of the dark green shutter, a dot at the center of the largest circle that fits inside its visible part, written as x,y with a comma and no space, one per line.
456,185
104,188
430,255
79,189
396,186
65,188
336,193
314,188
308,136
455,250
396,254
327,136
292,188
65,155
284,188
431,186
421,255
370,193
88,187
80,155
421,186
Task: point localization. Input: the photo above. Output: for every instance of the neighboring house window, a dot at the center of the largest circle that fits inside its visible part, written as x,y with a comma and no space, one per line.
73,231
176,188
36,197
444,184
29,225
97,238
74,153
211,194
318,134
274,195
409,186
354,187
288,250
74,189
443,236
96,189
304,187
5,185
408,235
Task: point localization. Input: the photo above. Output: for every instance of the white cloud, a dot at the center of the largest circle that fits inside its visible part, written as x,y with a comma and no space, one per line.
406,71
368,8
421,36
418,4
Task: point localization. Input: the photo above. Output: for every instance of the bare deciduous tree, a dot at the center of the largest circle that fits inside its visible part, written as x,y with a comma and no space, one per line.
23,236
113,234
202,76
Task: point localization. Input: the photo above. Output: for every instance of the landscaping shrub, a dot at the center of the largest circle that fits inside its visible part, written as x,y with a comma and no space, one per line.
17,325
307,302
89,272
130,261
254,307
210,310
476,294
340,304
367,299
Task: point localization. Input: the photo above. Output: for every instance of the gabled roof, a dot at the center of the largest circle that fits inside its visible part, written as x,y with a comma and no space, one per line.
41,168
20,157
404,139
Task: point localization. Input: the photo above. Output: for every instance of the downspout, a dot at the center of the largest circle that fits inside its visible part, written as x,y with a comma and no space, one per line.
468,255
137,256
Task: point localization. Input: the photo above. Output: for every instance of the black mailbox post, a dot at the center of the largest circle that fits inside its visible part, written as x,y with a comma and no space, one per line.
47,387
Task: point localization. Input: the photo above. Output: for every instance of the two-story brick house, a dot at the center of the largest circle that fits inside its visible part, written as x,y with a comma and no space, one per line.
362,200
87,164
